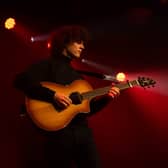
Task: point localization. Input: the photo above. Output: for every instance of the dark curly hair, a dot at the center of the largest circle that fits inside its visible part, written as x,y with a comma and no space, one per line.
65,35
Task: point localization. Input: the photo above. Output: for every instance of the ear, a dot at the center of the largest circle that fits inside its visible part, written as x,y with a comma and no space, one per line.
65,52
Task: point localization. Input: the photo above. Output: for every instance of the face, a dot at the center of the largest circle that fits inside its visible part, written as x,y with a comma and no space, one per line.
75,49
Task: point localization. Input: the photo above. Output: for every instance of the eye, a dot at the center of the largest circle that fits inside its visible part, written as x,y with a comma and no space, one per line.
79,41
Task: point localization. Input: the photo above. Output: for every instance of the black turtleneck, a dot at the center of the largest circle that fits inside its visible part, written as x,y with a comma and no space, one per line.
57,69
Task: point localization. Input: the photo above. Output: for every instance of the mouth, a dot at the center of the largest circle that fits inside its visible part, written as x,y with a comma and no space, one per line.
78,52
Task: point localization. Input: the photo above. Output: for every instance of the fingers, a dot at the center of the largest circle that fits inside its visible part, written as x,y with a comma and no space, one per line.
114,92
62,100
65,100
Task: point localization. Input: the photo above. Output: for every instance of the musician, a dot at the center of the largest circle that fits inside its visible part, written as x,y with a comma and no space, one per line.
72,143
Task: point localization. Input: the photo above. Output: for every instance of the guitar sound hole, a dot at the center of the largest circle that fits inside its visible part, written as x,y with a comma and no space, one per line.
76,98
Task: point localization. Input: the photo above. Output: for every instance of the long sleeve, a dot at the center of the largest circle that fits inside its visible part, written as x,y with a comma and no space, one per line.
98,103
29,82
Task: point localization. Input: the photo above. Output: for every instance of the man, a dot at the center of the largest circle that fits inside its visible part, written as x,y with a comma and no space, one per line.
71,141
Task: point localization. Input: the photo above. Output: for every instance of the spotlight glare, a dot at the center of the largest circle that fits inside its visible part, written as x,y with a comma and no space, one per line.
48,45
121,76
32,39
10,23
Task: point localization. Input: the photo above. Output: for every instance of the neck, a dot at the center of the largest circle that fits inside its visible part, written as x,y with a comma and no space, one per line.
66,54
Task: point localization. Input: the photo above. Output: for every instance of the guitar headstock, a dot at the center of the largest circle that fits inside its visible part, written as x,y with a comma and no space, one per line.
146,82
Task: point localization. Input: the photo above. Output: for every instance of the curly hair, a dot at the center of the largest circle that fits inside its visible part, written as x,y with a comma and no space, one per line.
65,35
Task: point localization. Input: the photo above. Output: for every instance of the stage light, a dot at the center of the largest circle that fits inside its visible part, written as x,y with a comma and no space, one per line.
48,45
121,76
39,38
10,23
32,39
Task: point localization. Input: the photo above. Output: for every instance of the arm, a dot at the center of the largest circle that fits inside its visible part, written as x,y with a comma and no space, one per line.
29,82
97,104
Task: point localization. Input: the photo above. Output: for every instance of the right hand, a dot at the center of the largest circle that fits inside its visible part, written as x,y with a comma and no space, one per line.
62,100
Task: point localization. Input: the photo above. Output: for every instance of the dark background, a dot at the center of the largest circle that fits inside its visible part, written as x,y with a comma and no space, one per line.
129,36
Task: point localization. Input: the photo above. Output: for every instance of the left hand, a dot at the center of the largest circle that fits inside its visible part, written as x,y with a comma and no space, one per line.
114,92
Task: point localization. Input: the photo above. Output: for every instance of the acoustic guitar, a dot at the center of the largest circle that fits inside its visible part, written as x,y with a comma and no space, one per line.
50,117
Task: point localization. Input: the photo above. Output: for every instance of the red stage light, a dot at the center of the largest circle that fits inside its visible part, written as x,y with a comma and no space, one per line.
48,45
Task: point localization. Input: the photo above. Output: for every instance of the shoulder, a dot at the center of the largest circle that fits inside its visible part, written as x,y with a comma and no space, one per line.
43,62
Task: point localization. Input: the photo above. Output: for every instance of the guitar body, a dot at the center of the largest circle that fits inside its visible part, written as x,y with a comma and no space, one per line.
47,117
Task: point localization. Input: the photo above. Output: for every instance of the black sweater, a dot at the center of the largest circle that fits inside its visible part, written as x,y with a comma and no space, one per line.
59,70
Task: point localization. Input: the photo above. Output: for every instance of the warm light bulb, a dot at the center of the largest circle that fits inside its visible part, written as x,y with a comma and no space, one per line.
121,77
10,23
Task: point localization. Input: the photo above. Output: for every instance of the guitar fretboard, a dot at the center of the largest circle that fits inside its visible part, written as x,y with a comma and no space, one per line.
104,90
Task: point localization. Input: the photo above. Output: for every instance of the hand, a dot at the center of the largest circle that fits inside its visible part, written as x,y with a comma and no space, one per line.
62,100
114,91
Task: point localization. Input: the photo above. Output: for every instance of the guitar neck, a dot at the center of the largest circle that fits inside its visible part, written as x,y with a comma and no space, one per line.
104,90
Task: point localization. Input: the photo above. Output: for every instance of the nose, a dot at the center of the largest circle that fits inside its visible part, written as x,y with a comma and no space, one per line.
82,46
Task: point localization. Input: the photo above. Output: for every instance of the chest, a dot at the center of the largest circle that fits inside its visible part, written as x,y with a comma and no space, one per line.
63,74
